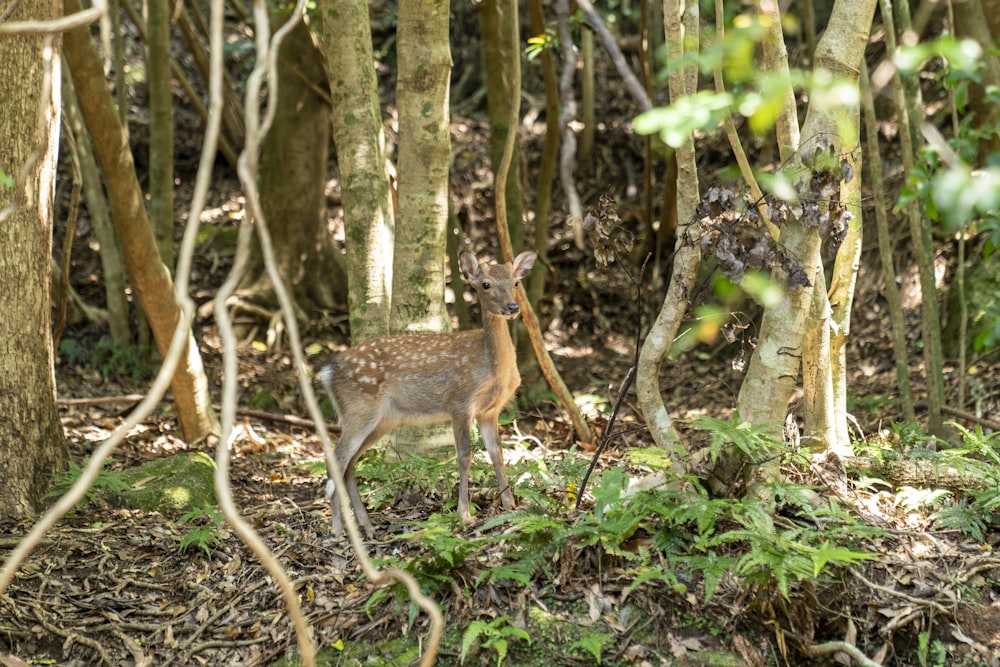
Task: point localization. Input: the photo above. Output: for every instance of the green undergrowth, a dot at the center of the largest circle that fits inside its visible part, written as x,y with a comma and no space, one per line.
549,584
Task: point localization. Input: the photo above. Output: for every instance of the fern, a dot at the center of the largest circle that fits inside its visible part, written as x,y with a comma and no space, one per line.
958,515
492,635
108,482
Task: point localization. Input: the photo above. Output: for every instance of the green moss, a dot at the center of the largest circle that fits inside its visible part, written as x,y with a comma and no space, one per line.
172,485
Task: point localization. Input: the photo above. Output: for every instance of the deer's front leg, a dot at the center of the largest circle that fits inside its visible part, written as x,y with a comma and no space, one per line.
491,436
463,454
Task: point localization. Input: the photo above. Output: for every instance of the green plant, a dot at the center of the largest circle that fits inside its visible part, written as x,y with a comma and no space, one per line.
380,483
592,644
205,532
756,442
978,459
493,635
107,483
71,351
931,654
110,358
443,549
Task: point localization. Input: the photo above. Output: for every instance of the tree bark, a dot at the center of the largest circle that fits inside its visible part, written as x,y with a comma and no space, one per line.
774,367
161,129
293,171
681,27
150,277
424,71
499,46
32,444
357,133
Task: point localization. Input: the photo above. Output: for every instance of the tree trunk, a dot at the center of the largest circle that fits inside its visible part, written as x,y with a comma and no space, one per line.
150,277
499,45
547,164
32,444
161,129
293,170
424,73
678,19
112,261
357,133
424,62
909,108
774,367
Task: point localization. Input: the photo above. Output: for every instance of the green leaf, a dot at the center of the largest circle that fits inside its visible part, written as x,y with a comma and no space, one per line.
676,123
469,637
838,555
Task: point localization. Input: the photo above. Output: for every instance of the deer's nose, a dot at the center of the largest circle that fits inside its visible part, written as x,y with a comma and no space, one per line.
513,309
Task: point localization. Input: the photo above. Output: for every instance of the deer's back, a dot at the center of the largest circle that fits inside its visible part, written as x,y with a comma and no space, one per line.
424,377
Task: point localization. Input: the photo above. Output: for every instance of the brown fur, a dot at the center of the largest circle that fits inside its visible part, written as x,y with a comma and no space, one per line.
425,378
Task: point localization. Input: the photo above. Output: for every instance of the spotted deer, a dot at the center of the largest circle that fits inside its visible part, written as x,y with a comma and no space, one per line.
426,378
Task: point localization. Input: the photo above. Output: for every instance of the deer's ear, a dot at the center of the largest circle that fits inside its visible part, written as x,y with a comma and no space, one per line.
469,266
523,263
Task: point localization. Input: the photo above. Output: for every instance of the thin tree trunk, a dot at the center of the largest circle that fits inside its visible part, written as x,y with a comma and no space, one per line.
549,159
112,261
150,277
776,61
586,148
357,133
531,324
161,129
500,43
910,111
843,284
681,27
32,445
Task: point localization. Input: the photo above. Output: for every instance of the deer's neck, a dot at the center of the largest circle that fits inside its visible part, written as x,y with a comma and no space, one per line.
496,338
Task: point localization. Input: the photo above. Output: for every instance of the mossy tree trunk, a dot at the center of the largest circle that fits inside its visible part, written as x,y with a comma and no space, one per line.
357,132
293,172
499,28
424,67
32,445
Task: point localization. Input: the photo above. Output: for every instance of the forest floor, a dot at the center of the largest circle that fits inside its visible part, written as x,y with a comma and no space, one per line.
114,586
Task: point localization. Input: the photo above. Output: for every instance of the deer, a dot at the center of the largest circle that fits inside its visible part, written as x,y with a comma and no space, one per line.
462,376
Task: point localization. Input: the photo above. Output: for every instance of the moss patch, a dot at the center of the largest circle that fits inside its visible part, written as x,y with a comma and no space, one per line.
171,486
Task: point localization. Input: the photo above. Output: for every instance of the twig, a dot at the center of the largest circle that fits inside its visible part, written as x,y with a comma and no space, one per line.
70,636
610,45
230,643
816,650
187,649
898,594
623,389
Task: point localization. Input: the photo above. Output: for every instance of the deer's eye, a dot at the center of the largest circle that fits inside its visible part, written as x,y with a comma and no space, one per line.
487,287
